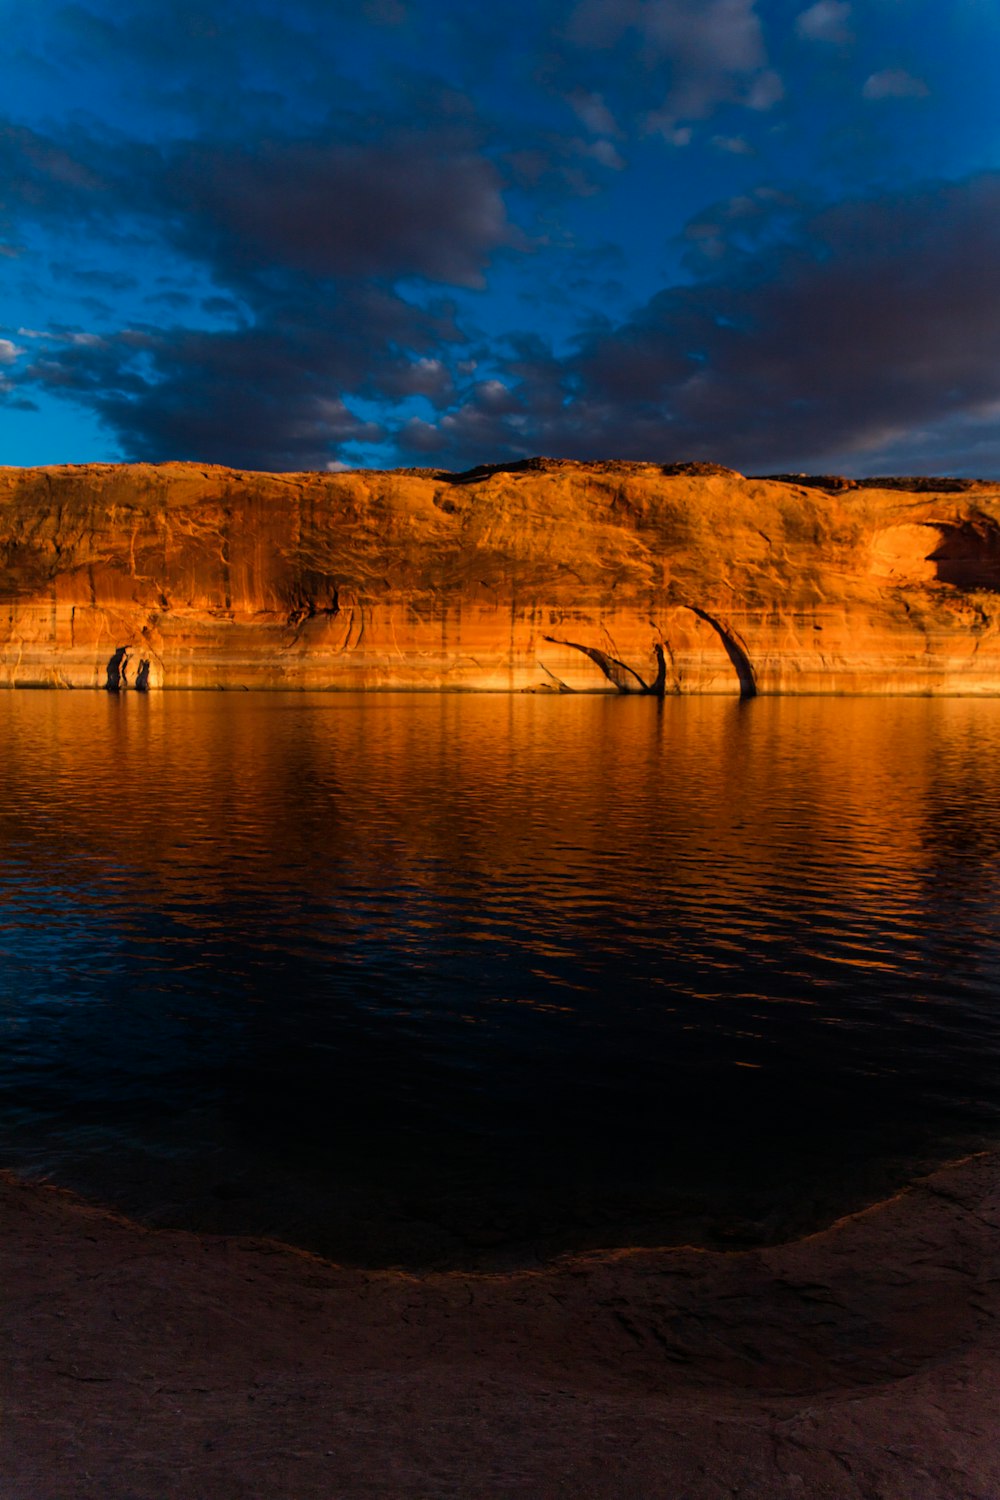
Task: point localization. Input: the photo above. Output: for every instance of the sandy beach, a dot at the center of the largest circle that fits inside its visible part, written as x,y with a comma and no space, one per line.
862,1361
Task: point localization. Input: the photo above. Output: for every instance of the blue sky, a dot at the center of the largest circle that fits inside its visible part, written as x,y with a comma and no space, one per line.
321,234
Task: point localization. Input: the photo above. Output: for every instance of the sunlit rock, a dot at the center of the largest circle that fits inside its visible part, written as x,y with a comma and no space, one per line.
542,576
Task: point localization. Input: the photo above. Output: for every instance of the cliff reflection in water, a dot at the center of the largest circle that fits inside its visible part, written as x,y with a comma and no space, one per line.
455,978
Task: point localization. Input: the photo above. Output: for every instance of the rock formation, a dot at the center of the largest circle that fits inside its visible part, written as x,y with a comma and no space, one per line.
858,1363
536,576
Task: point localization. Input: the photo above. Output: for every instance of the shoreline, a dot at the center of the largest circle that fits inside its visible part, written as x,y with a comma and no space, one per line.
861,1360
916,690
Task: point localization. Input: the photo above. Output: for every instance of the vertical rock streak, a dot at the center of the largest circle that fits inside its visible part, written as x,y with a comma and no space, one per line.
737,654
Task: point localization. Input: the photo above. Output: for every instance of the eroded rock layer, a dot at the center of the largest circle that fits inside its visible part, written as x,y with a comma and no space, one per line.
539,576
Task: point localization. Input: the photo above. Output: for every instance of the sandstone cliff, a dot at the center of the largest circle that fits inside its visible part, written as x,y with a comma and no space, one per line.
538,576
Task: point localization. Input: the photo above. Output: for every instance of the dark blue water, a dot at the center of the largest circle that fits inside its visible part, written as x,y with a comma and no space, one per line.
472,980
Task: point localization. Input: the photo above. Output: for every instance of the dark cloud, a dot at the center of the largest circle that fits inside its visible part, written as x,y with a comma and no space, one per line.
175,301
360,202
405,207
107,281
874,316
220,307
554,167
686,57
253,398
42,178
418,204
868,328
807,333
219,62
268,396
311,237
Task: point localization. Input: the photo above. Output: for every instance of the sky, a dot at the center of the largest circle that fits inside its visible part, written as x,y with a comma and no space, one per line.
328,234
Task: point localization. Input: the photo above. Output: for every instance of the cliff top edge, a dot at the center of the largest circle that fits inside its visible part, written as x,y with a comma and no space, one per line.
914,483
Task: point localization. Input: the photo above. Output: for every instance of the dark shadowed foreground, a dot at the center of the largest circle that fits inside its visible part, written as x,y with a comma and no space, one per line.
862,1361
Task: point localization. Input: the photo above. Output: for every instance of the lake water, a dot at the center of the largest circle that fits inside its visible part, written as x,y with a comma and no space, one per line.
472,980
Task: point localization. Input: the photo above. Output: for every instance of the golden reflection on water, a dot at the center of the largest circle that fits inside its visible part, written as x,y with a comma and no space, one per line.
172,783
475,916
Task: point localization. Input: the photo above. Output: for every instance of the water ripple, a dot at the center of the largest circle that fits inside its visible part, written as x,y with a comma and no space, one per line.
421,977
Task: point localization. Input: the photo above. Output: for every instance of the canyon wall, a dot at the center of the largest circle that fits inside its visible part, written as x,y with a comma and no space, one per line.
541,576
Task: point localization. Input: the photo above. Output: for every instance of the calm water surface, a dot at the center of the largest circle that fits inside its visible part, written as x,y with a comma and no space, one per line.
449,979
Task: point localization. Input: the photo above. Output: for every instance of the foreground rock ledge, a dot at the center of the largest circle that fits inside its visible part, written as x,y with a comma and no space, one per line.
539,576
863,1361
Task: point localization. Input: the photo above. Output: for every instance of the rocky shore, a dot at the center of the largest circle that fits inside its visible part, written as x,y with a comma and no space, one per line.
537,576
862,1361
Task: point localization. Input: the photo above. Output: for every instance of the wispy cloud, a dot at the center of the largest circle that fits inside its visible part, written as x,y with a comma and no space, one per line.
826,21
894,83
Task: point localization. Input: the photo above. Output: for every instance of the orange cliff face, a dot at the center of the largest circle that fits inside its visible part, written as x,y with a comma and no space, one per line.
540,576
